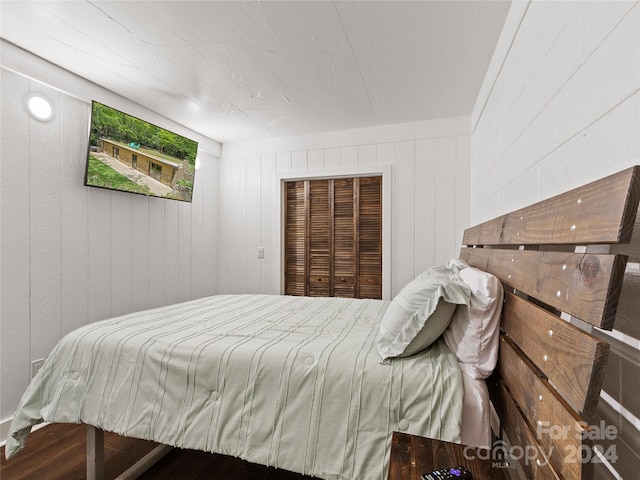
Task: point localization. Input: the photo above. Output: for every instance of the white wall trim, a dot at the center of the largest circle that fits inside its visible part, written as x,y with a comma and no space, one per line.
436,128
4,430
363,171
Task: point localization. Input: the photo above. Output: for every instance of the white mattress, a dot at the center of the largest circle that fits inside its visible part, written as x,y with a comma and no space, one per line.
292,382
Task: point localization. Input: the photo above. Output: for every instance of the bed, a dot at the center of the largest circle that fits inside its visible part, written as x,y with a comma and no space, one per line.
318,385
293,382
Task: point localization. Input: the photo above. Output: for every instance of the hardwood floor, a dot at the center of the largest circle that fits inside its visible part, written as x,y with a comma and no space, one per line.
58,451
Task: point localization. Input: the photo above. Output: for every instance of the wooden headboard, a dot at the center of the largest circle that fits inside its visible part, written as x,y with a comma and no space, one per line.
552,258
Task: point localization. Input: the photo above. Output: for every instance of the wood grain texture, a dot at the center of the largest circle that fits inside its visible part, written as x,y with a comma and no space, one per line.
369,237
535,464
345,247
572,360
551,372
319,208
295,243
631,249
586,286
411,456
603,211
333,237
550,421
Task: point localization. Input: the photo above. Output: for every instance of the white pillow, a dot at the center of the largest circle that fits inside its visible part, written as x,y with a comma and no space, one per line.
473,334
419,314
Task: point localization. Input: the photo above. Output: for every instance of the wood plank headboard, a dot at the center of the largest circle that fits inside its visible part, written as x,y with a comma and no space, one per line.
550,372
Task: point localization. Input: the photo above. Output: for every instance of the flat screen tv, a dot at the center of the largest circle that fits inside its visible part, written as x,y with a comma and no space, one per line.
131,155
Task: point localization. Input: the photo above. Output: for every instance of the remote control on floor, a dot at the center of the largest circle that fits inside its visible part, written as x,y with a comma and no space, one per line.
452,473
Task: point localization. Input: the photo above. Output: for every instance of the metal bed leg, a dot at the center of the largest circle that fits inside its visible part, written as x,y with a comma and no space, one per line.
145,463
95,453
95,457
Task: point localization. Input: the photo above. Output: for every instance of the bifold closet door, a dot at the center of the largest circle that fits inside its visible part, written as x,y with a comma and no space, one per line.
333,237
319,239
295,238
345,250
369,244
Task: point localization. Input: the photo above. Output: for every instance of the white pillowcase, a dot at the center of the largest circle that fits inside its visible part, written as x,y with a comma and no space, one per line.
473,334
419,314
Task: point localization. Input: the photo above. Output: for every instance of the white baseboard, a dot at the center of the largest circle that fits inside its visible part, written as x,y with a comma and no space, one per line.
4,430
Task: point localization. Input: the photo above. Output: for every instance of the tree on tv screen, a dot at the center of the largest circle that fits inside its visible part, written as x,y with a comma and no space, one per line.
110,123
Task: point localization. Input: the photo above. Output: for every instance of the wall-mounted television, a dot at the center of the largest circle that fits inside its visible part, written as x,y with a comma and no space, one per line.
131,155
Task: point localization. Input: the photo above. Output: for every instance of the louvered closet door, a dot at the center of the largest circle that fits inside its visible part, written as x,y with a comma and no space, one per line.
319,239
333,238
344,238
369,230
295,243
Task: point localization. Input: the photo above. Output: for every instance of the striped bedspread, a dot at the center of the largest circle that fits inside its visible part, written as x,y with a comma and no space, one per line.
292,382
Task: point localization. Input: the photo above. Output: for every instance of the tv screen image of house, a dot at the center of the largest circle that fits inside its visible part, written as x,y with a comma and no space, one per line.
132,155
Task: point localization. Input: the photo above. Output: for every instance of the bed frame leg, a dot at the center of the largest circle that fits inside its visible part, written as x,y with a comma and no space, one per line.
95,457
95,453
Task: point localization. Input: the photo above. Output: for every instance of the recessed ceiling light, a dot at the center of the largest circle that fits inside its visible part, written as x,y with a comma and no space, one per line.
39,107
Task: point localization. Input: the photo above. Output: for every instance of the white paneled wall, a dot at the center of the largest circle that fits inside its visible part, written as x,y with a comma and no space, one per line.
72,254
561,104
428,166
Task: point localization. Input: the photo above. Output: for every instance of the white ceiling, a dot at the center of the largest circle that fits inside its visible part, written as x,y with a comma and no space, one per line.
238,70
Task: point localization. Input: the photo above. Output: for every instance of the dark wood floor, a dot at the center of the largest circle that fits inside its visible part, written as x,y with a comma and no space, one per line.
58,451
